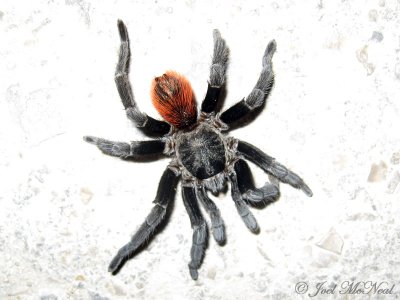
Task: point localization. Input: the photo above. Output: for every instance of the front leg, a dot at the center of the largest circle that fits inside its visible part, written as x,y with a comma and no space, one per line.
165,195
200,232
271,166
124,150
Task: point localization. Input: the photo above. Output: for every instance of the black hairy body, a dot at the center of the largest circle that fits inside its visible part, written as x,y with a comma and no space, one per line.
204,158
202,151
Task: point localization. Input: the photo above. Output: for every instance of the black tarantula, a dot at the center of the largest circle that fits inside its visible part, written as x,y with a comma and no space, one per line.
202,155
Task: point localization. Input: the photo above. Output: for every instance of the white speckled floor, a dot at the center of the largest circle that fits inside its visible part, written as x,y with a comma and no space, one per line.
333,117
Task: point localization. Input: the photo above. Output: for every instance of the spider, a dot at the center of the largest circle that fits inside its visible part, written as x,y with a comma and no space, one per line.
202,155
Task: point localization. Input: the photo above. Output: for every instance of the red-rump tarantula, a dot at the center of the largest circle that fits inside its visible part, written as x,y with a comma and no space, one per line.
202,155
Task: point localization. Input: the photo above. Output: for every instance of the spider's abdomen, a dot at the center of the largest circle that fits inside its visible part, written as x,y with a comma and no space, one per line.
173,97
202,152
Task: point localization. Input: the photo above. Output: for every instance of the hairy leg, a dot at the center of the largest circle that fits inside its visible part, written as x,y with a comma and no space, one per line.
241,206
217,223
266,194
124,150
165,194
148,124
271,166
259,93
219,64
199,225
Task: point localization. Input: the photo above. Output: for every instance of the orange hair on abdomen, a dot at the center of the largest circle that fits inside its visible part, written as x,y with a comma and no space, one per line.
173,97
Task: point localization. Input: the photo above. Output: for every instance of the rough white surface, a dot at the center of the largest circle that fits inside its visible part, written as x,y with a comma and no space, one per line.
333,117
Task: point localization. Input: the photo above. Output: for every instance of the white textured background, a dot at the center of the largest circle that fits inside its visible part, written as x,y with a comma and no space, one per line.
333,117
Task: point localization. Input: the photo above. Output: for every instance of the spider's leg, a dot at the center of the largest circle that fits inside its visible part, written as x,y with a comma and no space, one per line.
217,223
199,225
143,121
241,206
219,64
165,194
271,166
124,150
260,92
266,194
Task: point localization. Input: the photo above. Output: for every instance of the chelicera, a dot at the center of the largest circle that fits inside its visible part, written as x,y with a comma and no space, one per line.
203,157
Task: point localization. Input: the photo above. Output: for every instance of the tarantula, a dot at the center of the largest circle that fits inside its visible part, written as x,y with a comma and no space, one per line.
203,156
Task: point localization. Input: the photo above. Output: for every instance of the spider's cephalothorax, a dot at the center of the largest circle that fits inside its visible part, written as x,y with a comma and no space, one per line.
203,156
